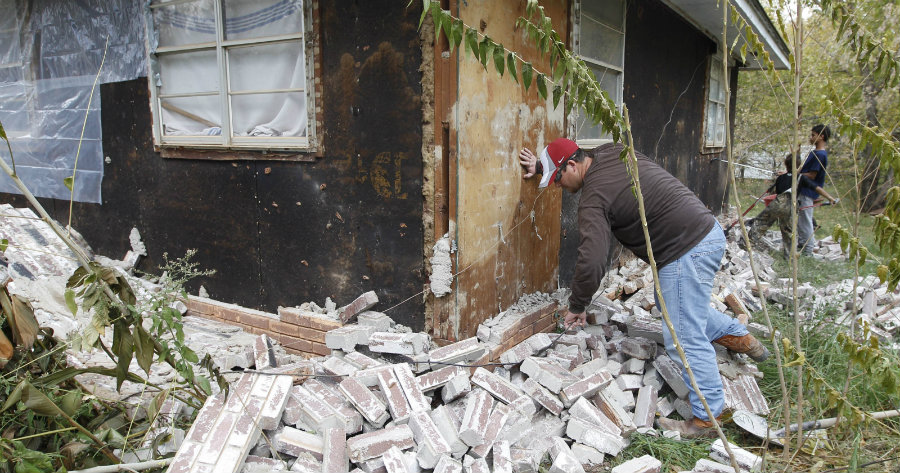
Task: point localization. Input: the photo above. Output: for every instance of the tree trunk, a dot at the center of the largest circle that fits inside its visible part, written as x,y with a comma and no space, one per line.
870,191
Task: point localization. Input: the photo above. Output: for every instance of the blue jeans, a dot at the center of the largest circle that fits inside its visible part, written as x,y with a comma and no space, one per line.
686,288
806,236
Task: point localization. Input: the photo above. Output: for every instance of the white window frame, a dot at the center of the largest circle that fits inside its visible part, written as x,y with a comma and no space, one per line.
577,27
222,46
713,105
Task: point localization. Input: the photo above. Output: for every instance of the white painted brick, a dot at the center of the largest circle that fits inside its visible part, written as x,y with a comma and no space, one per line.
645,407
334,452
586,387
360,361
612,410
542,396
375,444
746,460
475,465
314,412
630,382
498,387
429,439
459,352
524,461
444,423
294,442
502,460
347,337
587,455
338,366
539,341
394,462
263,353
273,407
369,376
378,320
644,464
671,372
348,415
588,412
591,436
478,408
564,461
705,465
396,400
435,379
418,402
547,374
364,401
495,422
589,367
456,388
399,343
448,465
306,463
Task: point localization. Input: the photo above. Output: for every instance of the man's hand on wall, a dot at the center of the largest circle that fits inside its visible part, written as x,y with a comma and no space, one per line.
528,161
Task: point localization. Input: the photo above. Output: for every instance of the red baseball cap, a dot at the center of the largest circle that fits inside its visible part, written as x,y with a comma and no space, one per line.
555,156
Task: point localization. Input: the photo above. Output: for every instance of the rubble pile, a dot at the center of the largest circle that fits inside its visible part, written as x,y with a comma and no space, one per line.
388,400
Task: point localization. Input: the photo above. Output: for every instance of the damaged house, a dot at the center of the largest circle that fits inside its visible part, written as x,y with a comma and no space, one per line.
322,149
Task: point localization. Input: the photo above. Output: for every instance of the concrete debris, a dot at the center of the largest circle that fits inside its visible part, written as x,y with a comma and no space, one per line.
378,397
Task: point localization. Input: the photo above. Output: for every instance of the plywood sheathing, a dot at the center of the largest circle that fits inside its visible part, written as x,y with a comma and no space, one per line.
492,119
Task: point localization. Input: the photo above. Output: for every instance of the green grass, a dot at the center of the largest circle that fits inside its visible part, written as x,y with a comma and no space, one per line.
676,455
823,353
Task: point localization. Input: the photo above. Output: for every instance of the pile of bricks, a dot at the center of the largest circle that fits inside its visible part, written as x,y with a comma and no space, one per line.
510,399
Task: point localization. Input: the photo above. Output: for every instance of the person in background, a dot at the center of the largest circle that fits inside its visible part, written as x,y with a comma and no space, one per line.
779,209
688,246
813,168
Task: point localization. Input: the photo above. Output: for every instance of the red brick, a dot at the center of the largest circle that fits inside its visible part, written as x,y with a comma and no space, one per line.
289,315
311,335
285,328
297,344
545,325
321,349
321,324
259,321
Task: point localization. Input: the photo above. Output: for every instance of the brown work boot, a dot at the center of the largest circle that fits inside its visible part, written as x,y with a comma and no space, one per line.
745,344
689,429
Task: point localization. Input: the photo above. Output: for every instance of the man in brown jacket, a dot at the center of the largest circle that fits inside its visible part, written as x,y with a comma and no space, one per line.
688,246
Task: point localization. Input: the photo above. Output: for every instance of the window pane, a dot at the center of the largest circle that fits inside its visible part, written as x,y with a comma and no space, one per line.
610,81
601,43
608,12
257,18
186,23
191,116
283,62
281,114
188,72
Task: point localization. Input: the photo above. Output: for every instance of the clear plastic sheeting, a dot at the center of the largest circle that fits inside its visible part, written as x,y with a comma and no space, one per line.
50,52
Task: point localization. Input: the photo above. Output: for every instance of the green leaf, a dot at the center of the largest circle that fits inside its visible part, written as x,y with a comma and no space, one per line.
472,41
425,7
143,348
557,94
4,244
3,133
69,182
70,302
70,402
203,382
527,72
456,34
511,66
15,396
541,86
485,50
189,355
38,402
499,59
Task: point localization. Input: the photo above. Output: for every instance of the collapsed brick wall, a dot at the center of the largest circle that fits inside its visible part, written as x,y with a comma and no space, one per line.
303,333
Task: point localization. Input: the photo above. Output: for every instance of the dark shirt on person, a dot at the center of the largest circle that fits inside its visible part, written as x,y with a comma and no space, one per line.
676,219
817,161
783,184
